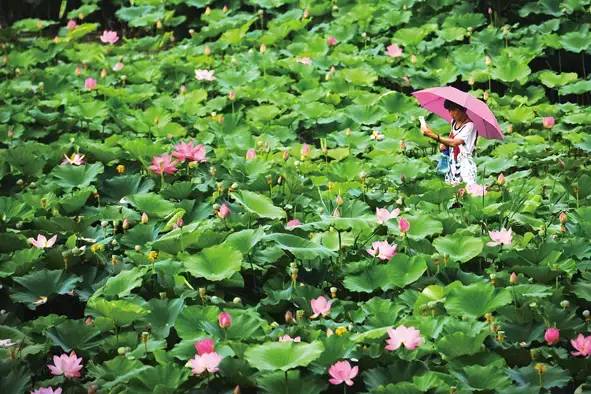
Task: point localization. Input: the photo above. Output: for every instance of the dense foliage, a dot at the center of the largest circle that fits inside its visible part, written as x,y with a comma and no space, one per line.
252,208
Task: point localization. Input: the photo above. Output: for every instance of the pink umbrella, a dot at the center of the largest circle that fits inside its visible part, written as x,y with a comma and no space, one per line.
477,110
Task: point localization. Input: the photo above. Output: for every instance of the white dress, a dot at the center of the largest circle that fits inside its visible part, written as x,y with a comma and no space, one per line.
462,168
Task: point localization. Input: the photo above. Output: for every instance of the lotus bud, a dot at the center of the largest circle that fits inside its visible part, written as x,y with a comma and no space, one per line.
523,344
586,314
104,223
125,224
103,73
158,24
20,182
501,179
122,350
563,218
510,128
191,32
485,95
224,320
225,9
533,353
490,11
362,176
274,324
335,7
347,131
114,260
236,390
336,213
88,321
202,292
564,304
413,59
333,292
269,180
144,219
206,51
329,332
513,279
471,81
533,305
289,317
300,314
137,248
145,336
237,300
207,11
487,60
339,200
92,389
262,48
306,14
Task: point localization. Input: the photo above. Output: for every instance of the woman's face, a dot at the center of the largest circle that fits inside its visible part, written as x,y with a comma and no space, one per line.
456,114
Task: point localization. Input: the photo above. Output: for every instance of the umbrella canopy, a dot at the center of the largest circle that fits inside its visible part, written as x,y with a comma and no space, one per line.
477,110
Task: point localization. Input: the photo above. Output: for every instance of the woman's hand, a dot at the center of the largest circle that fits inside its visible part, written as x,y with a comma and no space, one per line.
442,147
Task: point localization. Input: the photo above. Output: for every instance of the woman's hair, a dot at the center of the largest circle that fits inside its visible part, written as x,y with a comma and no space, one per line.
451,105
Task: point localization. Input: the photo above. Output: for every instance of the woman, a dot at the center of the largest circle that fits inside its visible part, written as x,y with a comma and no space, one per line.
460,145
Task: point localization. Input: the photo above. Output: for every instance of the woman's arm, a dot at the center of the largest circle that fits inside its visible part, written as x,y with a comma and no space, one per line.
444,140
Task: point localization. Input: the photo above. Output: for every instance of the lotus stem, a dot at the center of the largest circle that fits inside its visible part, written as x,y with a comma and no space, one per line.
286,383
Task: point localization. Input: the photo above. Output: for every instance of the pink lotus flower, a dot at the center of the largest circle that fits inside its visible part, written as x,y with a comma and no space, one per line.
118,66
109,37
342,372
224,211
476,190
552,336
293,223
304,60
403,225
287,338
501,237
163,164
548,121
205,362
205,75
331,41
305,150
582,344
410,337
186,151
47,390
251,154
90,84
394,50
76,159
382,215
205,346
320,306
41,242
382,250
224,320
71,24
69,366
501,179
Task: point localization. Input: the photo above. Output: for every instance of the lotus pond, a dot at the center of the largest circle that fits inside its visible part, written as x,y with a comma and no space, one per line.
234,197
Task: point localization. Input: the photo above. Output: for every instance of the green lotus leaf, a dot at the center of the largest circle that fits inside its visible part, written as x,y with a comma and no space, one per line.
123,283
552,79
81,30
120,312
258,204
189,323
365,114
283,356
576,41
423,226
159,379
359,76
399,272
43,283
214,263
459,248
152,204
263,113
554,376
460,344
31,25
118,370
478,377
20,262
70,176
74,335
511,69
16,378
300,247
72,202
163,315
141,16
519,115
579,87
476,299
412,35
12,209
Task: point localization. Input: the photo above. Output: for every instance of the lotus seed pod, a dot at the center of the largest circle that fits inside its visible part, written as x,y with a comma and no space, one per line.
300,314
20,182
563,218
540,368
121,350
237,300
145,336
533,305
104,223
586,313
137,248
333,292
